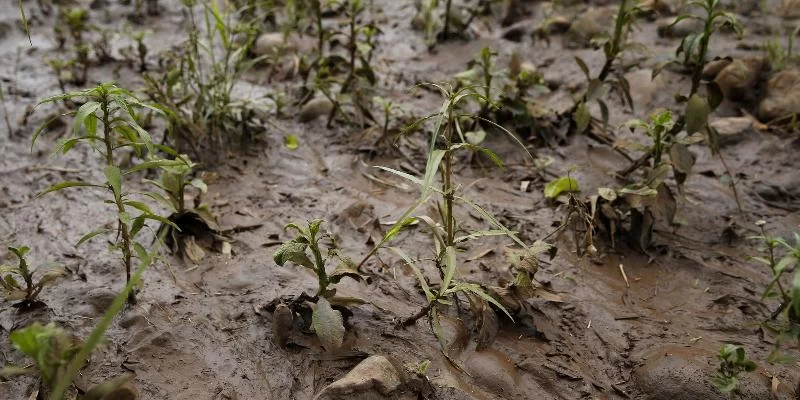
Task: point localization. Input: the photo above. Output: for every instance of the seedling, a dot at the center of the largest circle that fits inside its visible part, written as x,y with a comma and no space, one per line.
782,257
447,139
107,122
450,22
327,322
52,351
28,291
732,362
188,223
779,57
613,48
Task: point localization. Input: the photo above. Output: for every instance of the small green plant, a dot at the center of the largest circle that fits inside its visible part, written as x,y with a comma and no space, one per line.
782,257
613,48
326,322
440,24
137,52
389,110
779,57
77,22
196,91
447,232
732,362
107,122
28,291
53,350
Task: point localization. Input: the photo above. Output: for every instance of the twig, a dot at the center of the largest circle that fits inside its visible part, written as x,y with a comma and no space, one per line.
624,276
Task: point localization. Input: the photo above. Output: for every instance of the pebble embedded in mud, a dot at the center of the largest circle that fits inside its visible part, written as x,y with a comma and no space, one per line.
683,372
738,79
101,298
374,378
493,370
315,108
591,23
783,96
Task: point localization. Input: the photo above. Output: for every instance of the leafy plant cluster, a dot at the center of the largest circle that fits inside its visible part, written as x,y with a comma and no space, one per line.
440,20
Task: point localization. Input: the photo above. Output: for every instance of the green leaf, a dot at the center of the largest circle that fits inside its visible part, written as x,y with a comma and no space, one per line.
682,159
696,115
328,325
564,184
84,112
450,266
92,234
155,164
290,141
199,184
581,118
475,137
64,185
294,252
114,178
420,277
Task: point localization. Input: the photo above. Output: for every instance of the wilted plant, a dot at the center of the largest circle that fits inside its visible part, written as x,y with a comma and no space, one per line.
53,350
27,291
732,362
107,122
327,322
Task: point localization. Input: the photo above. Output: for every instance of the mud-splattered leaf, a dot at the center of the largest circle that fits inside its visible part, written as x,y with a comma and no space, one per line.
682,159
607,193
328,325
438,331
294,252
486,321
697,111
290,141
582,117
344,270
561,185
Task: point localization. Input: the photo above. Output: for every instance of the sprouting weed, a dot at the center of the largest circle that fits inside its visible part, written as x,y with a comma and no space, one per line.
613,48
52,350
327,322
447,22
732,362
779,57
107,122
138,51
389,111
782,257
27,291
447,233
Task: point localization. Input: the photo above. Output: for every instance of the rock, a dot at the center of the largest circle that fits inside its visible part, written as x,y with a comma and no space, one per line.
125,392
557,24
268,43
282,323
732,130
680,30
714,67
101,299
593,22
791,8
738,79
660,8
783,96
372,379
133,319
494,370
644,88
315,108
678,372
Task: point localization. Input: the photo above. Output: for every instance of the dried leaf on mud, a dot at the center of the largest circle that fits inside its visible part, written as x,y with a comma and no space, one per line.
328,325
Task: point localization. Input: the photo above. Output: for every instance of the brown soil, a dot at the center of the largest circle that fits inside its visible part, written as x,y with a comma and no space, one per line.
200,332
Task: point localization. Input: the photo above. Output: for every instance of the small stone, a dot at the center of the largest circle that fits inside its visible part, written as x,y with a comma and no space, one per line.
645,88
783,96
134,319
125,392
101,299
738,79
282,323
268,43
315,108
680,30
713,68
732,130
374,378
591,23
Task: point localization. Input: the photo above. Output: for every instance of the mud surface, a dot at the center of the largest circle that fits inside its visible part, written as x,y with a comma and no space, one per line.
200,332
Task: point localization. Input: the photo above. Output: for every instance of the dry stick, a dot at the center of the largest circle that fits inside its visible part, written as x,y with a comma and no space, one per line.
412,319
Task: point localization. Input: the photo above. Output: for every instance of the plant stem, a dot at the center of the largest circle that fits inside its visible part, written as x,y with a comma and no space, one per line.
108,138
412,319
446,32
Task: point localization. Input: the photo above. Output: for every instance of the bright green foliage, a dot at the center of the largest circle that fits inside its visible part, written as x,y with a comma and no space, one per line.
561,185
732,362
326,321
14,290
52,351
107,122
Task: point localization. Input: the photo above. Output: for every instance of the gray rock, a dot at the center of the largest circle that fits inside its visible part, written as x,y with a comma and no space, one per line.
738,79
679,30
732,130
315,108
100,299
373,379
783,96
678,372
268,43
593,22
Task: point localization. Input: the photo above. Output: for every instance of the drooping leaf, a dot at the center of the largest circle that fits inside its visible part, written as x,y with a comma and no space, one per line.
582,118
294,252
561,185
64,185
450,266
696,115
114,177
328,325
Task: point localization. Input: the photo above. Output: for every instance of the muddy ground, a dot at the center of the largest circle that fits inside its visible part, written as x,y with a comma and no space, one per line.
200,331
